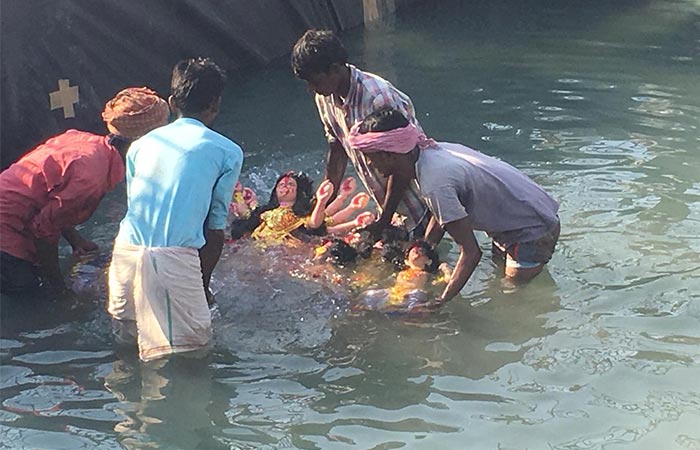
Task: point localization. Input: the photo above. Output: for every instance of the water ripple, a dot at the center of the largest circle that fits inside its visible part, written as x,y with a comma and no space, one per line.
61,356
9,344
14,376
49,398
43,334
73,439
600,441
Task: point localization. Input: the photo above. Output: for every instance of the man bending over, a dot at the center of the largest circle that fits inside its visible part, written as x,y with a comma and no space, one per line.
180,179
466,190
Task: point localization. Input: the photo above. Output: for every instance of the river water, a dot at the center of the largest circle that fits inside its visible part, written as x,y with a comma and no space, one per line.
599,102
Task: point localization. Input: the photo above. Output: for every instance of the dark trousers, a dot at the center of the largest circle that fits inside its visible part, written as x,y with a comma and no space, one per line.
17,275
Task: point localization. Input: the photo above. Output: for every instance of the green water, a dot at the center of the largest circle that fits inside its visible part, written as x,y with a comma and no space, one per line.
599,102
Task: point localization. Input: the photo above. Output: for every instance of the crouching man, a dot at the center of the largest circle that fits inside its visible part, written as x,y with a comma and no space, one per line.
466,190
59,185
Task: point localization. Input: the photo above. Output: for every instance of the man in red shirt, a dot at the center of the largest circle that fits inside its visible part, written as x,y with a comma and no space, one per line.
59,184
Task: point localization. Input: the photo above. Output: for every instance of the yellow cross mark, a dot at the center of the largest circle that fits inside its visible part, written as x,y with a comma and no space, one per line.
64,97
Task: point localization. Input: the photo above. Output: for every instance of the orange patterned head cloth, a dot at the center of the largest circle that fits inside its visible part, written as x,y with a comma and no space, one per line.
134,112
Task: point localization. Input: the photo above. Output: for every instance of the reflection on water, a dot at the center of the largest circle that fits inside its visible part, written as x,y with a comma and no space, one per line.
161,403
598,102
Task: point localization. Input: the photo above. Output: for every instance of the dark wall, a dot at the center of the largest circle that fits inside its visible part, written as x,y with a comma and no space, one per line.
102,46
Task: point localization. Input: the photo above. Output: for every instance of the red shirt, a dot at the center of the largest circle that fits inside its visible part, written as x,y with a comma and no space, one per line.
57,185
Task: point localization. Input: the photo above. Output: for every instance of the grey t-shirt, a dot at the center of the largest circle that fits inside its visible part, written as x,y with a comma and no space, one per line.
459,182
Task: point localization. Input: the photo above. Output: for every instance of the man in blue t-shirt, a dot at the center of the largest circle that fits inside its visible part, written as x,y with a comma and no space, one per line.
180,179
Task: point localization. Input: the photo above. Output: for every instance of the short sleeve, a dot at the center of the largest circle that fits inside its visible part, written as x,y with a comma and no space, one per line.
401,103
325,119
445,205
223,189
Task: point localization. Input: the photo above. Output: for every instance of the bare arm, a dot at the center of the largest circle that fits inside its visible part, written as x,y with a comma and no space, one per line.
395,188
336,163
79,244
433,231
209,254
469,256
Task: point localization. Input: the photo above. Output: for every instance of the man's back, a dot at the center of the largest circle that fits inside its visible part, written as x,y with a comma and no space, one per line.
178,177
57,185
497,197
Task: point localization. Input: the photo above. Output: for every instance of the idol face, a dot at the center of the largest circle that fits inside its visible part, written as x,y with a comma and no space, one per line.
286,190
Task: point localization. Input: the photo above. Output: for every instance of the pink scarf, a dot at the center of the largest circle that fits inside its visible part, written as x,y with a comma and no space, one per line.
398,140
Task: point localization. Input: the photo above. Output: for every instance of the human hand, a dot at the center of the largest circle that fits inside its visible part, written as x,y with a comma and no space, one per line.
238,208
353,238
82,247
436,303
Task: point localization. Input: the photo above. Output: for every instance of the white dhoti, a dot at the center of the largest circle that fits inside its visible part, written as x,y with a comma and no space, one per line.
160,289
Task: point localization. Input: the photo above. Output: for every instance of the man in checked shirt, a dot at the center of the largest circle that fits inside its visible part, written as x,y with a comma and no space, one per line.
345,95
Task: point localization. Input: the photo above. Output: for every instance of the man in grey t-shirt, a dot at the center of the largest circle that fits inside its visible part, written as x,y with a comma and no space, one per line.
466,191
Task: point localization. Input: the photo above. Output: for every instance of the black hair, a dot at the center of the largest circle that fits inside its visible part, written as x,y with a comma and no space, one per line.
429,251
241,227
364,244
119,142
315,52
393,252
196,83
303,205
394,233
393,240
340,252
383,119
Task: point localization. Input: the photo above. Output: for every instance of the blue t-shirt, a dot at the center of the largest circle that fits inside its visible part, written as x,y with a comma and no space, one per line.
179,177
